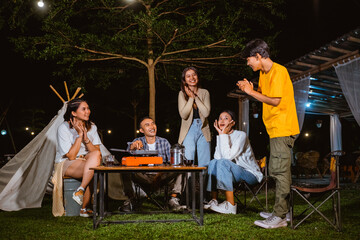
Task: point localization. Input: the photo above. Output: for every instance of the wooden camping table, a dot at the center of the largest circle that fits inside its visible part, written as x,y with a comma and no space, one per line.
99,174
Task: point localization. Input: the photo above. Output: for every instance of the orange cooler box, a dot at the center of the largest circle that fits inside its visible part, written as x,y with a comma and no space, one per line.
133,161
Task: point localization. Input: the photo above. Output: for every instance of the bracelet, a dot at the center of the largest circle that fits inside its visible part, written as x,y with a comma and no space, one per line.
87,141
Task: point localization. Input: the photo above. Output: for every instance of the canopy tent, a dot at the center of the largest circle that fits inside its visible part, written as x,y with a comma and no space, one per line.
329,91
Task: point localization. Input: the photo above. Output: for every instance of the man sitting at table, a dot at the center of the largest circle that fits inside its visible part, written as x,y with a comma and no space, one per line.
152,181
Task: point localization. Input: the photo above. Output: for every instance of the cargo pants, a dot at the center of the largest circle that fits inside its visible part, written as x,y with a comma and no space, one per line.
280,171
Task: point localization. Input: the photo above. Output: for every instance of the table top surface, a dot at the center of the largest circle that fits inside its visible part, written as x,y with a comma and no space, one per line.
149,168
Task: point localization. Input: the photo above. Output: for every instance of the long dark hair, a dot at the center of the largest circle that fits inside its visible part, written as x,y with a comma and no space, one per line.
183,82
72,106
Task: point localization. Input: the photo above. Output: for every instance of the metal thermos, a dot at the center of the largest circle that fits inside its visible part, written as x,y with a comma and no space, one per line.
177,155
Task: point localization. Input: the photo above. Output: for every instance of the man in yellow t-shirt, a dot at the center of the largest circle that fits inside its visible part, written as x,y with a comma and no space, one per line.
276,93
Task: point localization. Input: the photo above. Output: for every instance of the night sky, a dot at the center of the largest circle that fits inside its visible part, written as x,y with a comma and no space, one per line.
25,83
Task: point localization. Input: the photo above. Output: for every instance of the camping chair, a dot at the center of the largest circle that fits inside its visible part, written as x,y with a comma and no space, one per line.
322,193
243,186
151,195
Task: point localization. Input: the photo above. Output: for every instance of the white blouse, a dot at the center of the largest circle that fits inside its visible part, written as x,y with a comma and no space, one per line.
66,137
236,146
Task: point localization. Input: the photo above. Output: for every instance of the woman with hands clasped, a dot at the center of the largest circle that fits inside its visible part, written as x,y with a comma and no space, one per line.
78,150
194,108
233,162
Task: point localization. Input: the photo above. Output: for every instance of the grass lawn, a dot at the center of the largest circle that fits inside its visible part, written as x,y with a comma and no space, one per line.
40,224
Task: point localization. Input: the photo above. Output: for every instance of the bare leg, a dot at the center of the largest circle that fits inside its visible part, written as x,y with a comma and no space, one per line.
87,196
81,169
214,195
92,160
230,197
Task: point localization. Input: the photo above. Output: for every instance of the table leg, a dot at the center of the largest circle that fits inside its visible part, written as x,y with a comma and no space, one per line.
193,187
101,200
106,191
95,199
186,182
201,201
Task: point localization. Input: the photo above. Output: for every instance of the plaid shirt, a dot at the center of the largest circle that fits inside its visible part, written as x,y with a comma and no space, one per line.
161,145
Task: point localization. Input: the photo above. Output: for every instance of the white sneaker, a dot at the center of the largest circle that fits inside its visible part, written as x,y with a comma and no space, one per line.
271,222
209,204
174,204
267,214
224,207
78,195
85,212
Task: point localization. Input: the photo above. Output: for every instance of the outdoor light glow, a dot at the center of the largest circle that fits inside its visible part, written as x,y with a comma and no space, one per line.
306,134
27,128
308,104
32,133
40,3
3,132
137,131
167,130
109,131
260,133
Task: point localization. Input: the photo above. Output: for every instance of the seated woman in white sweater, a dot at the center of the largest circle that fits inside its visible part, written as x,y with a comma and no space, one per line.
234,162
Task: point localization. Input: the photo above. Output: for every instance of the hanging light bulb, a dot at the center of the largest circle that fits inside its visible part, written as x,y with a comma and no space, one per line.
40,3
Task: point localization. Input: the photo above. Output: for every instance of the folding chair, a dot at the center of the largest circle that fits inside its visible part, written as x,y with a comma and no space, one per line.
321,194
245,187
152,195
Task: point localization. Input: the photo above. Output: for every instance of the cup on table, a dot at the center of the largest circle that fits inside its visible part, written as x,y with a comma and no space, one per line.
188,162
109,160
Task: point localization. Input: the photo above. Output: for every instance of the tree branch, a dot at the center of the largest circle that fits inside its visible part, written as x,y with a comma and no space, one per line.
199,59
114,55
193,49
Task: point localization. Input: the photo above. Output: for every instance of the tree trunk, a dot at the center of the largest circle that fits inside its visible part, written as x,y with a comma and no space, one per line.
152,91
135,103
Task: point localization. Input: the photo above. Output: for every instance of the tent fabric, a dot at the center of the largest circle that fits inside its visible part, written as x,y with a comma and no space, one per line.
335,133
301,93
349,79
24,179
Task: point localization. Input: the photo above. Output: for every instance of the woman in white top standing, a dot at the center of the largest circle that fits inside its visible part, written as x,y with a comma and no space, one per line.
233,162
79,150
194,108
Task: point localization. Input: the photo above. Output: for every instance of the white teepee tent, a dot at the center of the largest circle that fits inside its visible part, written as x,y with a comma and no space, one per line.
24,179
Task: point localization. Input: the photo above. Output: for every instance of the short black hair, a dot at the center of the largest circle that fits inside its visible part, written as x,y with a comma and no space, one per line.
256,46
143,118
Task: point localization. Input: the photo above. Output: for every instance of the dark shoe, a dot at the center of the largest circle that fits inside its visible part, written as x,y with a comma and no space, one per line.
128,206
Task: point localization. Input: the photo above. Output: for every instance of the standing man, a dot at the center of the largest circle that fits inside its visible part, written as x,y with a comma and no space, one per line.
276,93
152,181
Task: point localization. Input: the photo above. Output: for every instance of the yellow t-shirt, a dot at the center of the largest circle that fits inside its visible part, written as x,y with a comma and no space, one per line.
280,121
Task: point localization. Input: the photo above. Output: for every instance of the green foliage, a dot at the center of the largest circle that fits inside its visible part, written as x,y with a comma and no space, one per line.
114,33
